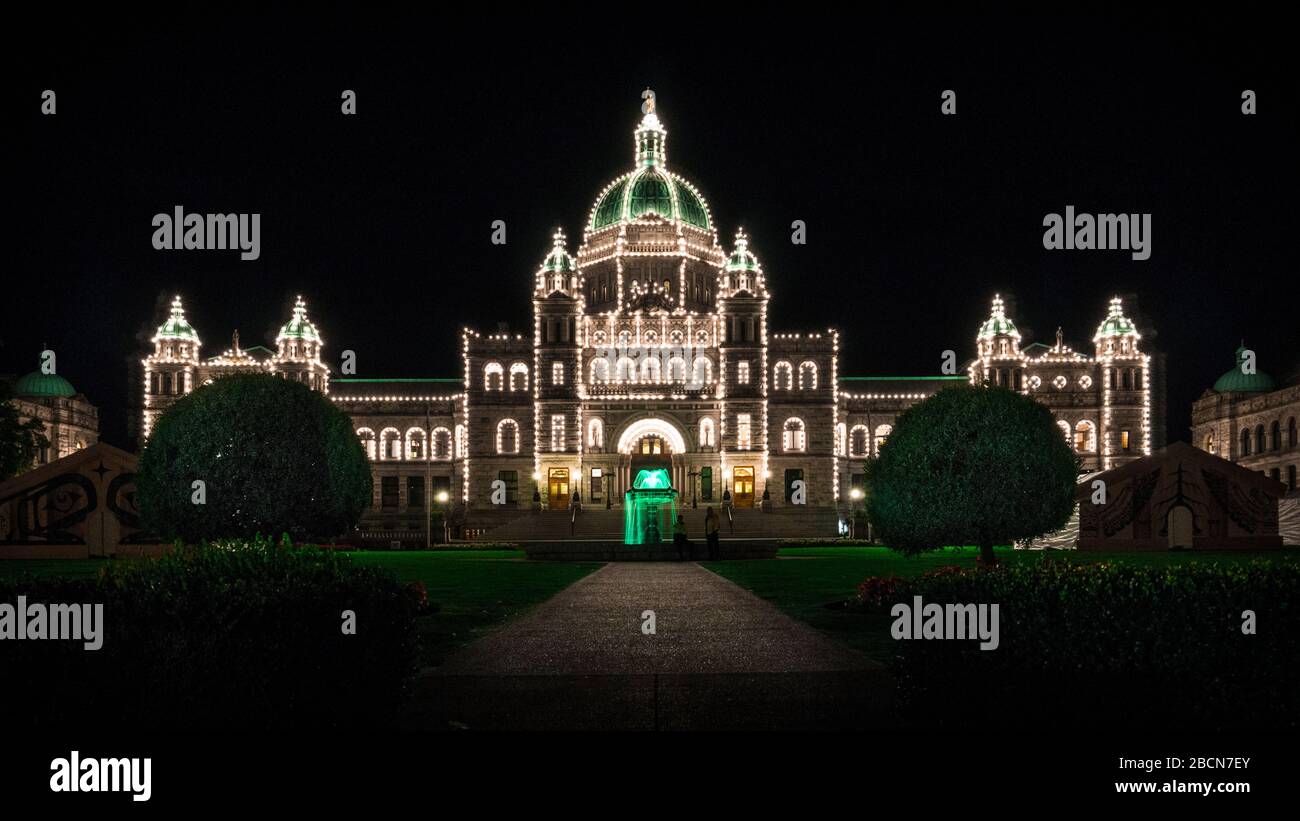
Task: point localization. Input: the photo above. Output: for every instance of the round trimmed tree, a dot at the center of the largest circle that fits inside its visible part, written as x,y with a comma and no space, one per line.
977,465
274,457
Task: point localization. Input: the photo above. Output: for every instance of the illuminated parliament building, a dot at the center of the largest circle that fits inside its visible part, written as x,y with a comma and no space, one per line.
651,347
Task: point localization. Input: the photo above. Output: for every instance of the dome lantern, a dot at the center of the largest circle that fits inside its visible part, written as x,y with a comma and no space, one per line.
651,136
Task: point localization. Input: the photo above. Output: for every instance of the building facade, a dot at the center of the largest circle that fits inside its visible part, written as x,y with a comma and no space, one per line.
651,347
71,422
1248,419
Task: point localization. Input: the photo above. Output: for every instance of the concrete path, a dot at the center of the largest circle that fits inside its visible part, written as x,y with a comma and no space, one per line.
720,658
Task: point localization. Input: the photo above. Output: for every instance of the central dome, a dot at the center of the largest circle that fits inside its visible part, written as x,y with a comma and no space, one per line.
650,188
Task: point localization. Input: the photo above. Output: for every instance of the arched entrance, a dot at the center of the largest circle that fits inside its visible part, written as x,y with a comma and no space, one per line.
652,443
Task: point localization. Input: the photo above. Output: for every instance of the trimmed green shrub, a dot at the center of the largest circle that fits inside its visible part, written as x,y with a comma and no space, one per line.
977,465
1087,646
274,456
232,636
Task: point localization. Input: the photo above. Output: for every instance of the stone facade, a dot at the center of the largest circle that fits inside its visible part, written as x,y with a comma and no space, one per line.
71,422
1247,419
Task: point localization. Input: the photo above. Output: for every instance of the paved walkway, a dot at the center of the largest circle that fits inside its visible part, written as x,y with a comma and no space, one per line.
721,658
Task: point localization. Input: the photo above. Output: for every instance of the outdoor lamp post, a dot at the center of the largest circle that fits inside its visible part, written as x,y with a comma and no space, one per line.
693,474
442,498
855,497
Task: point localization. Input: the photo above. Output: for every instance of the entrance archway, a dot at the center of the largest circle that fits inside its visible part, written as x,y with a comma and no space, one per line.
649,444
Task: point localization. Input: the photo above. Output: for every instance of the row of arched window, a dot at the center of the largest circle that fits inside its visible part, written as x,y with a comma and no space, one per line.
857,442
1083,434
651,370
783,378
494,377
1260,442
392,445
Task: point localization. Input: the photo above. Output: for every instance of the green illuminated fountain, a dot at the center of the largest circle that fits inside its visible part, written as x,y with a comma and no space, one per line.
650,508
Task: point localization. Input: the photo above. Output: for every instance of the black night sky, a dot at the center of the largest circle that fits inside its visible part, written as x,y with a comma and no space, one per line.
382,220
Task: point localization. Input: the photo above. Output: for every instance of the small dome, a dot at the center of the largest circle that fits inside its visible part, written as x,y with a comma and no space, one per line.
998,323
559,260
1115,323
1236,381
42,385
177,326
742,259
299,326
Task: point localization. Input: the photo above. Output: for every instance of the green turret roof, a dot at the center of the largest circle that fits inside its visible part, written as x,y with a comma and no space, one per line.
1237,381
177,326
299,326
42,385
1115,323
559,260
998,323
742,259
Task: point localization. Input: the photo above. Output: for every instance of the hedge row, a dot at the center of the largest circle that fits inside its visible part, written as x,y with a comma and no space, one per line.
234,636
1086,646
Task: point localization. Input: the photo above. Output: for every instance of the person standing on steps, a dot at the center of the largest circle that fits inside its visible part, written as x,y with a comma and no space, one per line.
679,538
712,524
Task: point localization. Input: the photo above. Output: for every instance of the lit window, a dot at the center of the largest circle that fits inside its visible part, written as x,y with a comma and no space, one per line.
882,434
744,437
794,436
595,434
706,433
557,373
519,377
859,439
742,373
783,376
808,376
557,432
507,436
493,376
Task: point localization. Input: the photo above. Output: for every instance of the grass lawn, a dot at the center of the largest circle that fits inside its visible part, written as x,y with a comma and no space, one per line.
476,590
802,581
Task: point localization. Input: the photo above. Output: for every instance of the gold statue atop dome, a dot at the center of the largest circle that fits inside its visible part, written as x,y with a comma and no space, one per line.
648,107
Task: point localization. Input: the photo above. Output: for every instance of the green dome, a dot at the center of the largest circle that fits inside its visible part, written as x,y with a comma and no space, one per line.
1235,381
998,323
299,326
37,384
650,190
559,260
177,326
742,259
1115,323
